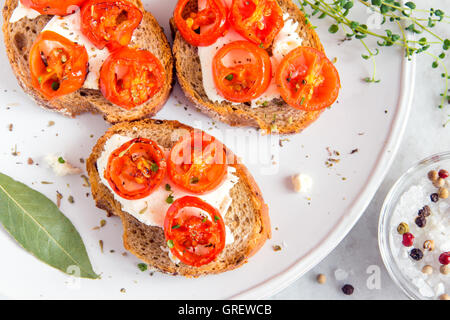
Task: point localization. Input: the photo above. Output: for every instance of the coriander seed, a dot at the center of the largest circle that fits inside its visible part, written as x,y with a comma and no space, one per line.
433,175
443,193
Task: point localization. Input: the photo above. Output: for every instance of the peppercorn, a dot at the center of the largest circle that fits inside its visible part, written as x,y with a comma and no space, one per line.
439,183
425,211
421,221
348,289
427,269
444,297
321,278
416,254
403,228
434,197
408,239
444,258
445,269
443,193
443,174
433,175
428,245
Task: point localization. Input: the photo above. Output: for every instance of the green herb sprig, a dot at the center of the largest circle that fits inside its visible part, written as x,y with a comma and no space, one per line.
398,19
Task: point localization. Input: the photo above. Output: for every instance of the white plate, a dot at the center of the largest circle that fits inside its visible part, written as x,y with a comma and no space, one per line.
369,117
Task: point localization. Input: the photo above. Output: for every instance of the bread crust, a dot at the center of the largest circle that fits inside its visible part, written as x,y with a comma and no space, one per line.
278,117
19,37
258,229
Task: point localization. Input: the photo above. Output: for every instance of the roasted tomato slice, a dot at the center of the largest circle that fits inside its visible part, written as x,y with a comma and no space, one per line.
194,236
129,77
257,20
58,66
242,71
53,7
109,23
212,20
136,168
197,163
307,80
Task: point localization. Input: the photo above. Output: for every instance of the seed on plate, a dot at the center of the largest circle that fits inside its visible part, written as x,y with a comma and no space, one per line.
408,239
348,289
443,193
434,197
403,228
427,269
421,221
445,269
433,175
321,278
439,183
444,297
428,245
443,174
416,254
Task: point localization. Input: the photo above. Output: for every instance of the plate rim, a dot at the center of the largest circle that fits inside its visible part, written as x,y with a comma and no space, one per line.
304,264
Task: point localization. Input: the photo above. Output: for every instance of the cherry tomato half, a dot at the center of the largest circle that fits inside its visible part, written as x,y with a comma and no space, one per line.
245,78
136,168
307,80
197,163
58,66
257,20
53,7
196,238
213,18
109,23
129,77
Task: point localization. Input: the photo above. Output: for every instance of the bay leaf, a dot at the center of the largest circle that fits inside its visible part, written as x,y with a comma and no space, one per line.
39,227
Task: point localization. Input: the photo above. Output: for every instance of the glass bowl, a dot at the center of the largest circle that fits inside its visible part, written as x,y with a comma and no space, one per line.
411,177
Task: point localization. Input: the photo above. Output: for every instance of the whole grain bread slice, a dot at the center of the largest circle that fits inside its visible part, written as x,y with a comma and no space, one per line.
275,117
247,216
20,36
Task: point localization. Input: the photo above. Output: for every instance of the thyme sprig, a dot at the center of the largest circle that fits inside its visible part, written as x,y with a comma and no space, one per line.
400,21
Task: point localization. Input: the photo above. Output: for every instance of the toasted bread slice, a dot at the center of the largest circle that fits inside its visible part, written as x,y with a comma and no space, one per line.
276,117
20,36
247,216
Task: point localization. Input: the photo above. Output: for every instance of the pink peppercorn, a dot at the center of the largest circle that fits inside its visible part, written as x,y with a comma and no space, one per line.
443,174
408,239
444,258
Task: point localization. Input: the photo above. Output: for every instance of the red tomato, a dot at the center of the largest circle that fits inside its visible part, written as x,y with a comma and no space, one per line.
197,163
129,77
307,80
109,23
213,18
195,239
136,168
257,20
58,66
53,7
246,80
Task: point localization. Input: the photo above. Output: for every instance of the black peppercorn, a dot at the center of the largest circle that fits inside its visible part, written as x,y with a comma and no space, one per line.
348,289
416,254
421,221
434,197
425,211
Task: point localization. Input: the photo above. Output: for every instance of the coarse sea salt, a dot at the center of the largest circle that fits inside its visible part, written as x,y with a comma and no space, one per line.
437,229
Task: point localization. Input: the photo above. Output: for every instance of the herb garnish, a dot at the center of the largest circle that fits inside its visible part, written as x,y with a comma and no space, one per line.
395,33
